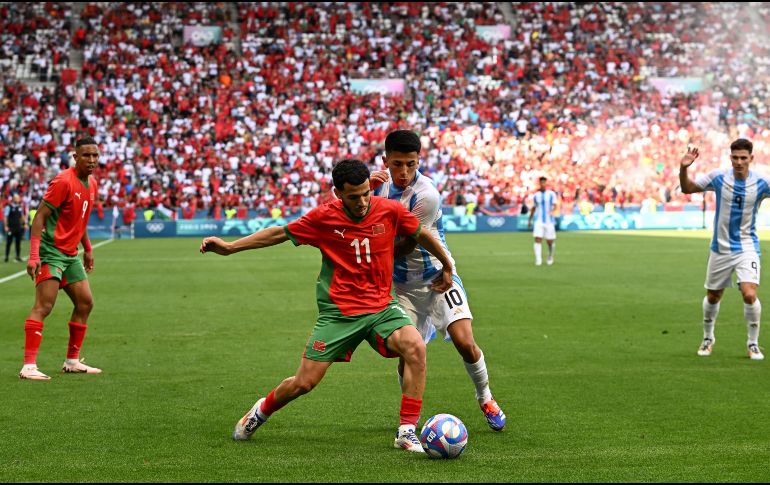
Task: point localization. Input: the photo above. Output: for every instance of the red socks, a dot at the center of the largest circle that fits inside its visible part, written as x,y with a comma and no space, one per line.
269,406
33,335
410,410
77,334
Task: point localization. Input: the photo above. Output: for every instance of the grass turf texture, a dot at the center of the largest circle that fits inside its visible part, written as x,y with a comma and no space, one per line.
593,360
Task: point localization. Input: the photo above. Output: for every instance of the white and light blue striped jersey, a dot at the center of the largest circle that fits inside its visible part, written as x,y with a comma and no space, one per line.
421,198
736,211
545,202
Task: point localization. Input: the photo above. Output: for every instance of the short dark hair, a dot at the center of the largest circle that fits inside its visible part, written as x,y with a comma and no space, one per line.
543,178
404,141
85,141
351,171
741,144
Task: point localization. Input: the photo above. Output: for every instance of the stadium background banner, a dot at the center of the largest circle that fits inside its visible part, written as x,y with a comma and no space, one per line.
597,221
382,86
200,36
673,85
494,32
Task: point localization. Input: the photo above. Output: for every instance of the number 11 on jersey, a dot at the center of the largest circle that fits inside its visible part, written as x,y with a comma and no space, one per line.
365,243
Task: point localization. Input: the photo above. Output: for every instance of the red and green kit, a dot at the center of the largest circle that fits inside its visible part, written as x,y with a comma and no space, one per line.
354,288
70,200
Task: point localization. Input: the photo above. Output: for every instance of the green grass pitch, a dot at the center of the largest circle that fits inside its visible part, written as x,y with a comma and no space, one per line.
593,360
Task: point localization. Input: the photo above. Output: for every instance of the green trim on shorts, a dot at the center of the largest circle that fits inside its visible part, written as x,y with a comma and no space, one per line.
335,337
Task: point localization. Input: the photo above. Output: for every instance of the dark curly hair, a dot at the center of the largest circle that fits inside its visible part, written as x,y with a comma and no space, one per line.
404,141
351,171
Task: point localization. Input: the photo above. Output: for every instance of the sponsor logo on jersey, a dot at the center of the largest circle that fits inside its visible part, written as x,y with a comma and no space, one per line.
341,233
378,229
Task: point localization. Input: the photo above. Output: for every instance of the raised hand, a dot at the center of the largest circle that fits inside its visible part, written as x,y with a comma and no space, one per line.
690,156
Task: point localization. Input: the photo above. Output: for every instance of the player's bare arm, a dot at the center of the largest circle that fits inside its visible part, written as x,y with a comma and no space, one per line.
532,215
404,246
261,239
42,215
687,184
426,240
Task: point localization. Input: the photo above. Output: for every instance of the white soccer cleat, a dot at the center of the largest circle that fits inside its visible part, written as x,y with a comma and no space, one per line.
249,423
538,263
550,261
79,368
31,372
706,347
407,440
755,353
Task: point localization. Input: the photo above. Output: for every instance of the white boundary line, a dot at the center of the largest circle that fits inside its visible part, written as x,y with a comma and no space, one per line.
23,273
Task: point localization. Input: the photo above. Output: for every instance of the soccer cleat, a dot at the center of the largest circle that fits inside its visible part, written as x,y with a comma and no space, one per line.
407,439
755,353
550,261
249,423
495,416
706,347
32,373
79,368
538,262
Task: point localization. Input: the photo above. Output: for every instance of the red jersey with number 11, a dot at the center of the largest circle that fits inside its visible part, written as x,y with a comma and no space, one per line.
357,269
70,200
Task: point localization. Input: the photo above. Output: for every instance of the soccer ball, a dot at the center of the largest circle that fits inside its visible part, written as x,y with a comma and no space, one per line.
444,436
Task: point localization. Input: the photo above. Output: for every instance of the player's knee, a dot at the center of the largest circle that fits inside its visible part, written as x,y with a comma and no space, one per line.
85,306
414,351
749,297
43,308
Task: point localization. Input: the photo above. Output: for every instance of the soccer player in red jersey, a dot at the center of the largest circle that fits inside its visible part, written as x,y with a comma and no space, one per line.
58,227
356,237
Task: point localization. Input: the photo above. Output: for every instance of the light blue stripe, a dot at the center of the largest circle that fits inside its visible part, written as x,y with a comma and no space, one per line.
428,269
457,280
412,202
736,214
717,184
761,192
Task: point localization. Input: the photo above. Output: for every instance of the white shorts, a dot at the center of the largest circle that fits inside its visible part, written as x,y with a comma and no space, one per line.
432,311
545,230
720,269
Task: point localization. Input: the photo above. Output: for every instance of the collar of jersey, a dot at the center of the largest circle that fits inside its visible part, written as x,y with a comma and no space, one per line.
354,218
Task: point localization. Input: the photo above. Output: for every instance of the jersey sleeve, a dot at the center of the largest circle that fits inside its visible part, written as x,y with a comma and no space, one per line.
407,223
763,188
705,181
426,208
57,193
305,229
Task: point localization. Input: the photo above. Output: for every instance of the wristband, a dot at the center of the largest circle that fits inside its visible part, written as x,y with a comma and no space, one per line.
34,248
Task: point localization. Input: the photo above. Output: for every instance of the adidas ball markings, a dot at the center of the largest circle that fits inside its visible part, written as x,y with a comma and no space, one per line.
444,436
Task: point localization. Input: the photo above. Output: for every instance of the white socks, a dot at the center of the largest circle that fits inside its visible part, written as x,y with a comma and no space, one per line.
480,378
551,249
538,253
710,313
752,314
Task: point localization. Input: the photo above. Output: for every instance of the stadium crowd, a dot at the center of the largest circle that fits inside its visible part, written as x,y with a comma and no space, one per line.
256,121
